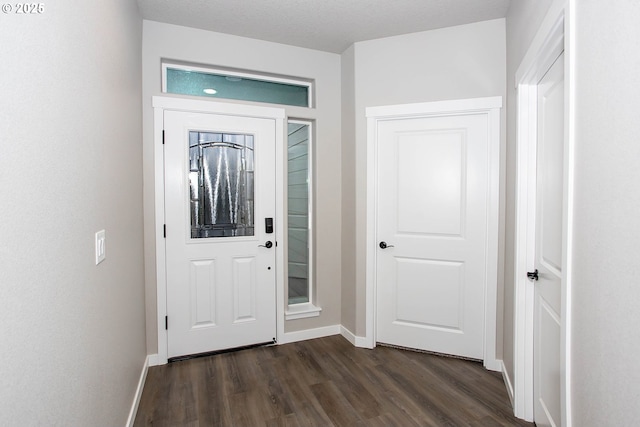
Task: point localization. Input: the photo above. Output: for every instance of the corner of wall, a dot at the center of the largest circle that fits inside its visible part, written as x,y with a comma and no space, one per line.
348,295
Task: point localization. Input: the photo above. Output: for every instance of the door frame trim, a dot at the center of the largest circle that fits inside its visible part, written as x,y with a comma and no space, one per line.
489,106
552,38
160,105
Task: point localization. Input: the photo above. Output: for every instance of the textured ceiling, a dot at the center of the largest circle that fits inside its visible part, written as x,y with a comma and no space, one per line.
328,25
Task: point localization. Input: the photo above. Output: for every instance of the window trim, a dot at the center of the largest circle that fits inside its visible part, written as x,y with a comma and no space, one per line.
303,310
202,68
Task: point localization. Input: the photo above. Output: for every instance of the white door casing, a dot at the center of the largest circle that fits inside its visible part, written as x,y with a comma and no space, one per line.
452,146
250,311
553,38
548,246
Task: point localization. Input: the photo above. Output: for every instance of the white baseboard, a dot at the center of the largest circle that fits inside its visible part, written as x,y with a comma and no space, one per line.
350,336
138,395
153,360
507,381
354,339
493,365
309,334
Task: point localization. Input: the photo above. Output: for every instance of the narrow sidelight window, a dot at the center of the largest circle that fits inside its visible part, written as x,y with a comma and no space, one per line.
299,211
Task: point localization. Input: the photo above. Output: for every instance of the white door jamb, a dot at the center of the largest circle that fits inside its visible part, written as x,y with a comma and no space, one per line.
553,37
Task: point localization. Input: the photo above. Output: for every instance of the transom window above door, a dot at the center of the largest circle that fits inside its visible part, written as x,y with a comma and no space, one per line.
215,82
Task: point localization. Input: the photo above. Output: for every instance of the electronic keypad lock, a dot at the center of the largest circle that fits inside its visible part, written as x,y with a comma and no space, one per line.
268,225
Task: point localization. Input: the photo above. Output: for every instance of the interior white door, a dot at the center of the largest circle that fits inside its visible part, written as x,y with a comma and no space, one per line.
432,181
219,189
548,251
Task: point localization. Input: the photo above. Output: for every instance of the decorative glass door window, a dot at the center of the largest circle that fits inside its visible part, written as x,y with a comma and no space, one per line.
221,169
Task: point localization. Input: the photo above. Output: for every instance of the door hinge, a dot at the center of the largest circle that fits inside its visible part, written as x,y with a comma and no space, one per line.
166,323
162,136
164,230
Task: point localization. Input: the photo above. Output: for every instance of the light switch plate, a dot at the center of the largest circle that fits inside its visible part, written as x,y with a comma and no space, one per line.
101,249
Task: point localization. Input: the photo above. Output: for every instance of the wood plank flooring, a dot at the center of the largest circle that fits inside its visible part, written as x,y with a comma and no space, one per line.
324,382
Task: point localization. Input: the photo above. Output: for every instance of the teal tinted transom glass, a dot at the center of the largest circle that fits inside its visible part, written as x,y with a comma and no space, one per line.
233,86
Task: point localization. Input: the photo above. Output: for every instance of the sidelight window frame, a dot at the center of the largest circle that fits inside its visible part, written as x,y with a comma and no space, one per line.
299,310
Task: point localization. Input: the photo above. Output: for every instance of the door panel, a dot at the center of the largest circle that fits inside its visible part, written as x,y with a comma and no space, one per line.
202,288
244,289
432,211
435,304
430,164
548,253
219,187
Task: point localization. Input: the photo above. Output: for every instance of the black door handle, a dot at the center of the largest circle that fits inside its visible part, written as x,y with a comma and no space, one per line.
383,245
532,275
268,244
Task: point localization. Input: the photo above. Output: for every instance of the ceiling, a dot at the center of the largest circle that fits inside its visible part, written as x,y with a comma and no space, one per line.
327,25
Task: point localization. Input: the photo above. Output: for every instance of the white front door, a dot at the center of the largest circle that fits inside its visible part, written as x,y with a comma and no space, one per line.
220,185
548,251
431,227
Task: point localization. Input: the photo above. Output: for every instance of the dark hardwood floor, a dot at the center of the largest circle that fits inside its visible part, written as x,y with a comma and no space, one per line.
324,382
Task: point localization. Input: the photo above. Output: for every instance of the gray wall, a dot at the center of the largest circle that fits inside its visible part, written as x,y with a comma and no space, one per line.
72,336
348,190
523,20
467,61
606,295
206,47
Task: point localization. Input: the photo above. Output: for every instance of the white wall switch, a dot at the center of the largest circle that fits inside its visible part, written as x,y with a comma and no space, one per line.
101,249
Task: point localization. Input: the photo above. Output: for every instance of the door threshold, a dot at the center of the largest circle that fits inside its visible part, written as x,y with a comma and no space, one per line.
216,352
433,353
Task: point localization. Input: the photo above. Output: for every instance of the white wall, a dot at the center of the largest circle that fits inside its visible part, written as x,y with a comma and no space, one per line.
467,61
523,20
72,335
606,263
206,47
